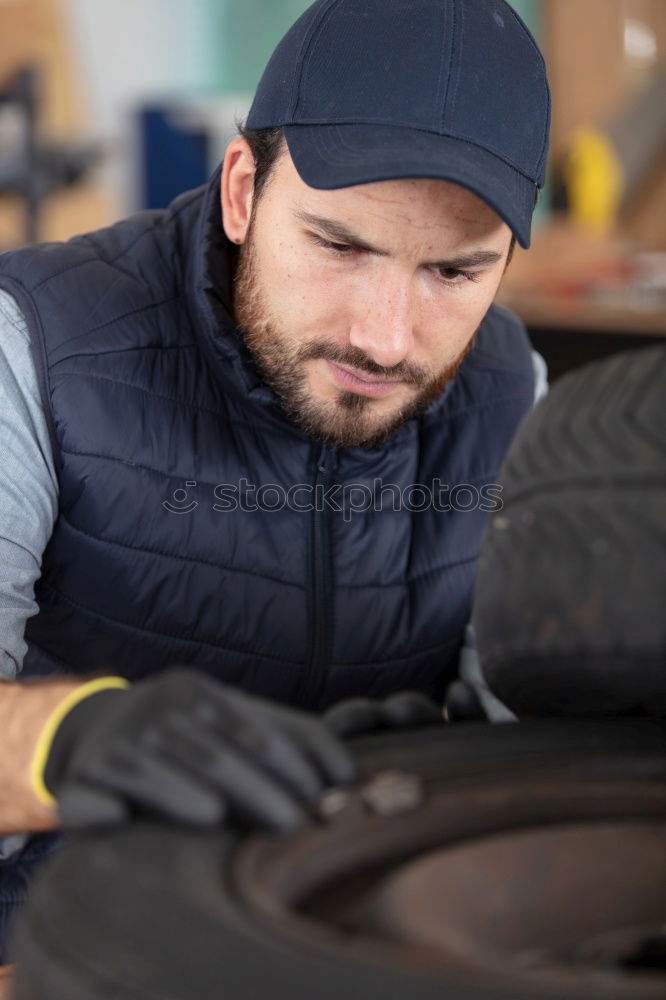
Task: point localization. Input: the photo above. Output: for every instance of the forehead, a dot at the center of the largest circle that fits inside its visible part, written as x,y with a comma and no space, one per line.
420,207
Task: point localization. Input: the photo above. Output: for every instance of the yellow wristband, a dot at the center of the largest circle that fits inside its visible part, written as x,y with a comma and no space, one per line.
47,735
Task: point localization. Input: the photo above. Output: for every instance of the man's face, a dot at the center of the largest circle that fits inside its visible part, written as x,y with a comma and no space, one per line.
360,304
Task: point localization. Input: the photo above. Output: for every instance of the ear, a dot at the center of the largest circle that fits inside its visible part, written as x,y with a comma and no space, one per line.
237,189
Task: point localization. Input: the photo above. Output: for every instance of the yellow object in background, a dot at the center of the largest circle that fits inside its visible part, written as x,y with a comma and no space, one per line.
594,180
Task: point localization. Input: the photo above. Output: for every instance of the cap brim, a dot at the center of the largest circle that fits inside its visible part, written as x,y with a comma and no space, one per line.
338,156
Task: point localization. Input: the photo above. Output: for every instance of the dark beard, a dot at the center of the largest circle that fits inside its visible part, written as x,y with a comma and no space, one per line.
339,422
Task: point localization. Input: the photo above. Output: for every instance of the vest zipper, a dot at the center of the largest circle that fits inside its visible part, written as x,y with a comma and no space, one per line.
319,583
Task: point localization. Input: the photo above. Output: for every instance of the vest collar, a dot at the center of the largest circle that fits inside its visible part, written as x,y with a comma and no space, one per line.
213,260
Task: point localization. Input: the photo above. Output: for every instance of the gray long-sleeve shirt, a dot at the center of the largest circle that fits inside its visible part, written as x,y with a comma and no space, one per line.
28,483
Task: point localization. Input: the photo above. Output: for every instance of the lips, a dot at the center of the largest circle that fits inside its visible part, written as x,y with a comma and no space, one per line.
364,384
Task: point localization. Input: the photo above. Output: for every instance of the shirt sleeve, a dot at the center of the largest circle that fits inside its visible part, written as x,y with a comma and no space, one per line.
28,485
469,671
540,376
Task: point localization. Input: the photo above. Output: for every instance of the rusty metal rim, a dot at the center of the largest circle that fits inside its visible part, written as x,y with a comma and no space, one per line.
286,882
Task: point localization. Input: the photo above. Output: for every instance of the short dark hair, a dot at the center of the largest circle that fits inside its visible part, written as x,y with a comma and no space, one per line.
268,144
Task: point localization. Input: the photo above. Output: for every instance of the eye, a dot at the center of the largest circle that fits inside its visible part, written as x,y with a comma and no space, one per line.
452,276
340,249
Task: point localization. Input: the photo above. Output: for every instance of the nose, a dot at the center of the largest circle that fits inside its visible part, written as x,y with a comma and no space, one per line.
383,328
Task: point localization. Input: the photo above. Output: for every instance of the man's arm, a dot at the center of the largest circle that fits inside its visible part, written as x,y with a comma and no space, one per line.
28,507
24,710
28,487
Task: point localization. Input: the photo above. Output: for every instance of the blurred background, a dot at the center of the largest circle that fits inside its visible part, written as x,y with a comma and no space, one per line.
109,106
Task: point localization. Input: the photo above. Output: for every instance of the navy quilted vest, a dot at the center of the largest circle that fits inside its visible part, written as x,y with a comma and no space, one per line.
164,434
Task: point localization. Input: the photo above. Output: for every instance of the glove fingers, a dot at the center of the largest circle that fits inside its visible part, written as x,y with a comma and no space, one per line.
328,752
83,805
362,715
253,795
267,743
257,799
296,747
411,708
354,716
292,765
232,718
157,785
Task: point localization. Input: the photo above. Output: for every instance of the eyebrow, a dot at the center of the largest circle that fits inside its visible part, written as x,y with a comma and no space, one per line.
339,233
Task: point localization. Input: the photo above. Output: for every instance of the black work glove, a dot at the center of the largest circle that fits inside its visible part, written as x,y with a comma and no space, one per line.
189,749
356,716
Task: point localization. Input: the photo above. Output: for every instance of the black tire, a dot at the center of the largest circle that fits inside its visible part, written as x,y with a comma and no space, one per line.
569,608
153,913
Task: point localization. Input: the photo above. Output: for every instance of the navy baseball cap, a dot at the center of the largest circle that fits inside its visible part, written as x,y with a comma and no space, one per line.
376,90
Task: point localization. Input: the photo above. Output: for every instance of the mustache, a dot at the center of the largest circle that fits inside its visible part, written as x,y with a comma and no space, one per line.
354,357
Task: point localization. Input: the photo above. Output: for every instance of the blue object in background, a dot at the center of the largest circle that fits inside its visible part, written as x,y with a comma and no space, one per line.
174,156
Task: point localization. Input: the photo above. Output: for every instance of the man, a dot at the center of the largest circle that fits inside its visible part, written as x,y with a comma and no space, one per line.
263,441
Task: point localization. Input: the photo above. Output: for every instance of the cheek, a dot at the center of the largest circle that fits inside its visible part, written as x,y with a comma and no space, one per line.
450,319
302,293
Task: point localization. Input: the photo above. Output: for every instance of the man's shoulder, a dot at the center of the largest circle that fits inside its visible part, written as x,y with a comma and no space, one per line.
97,284
502,339
35,265
501,356
113,247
